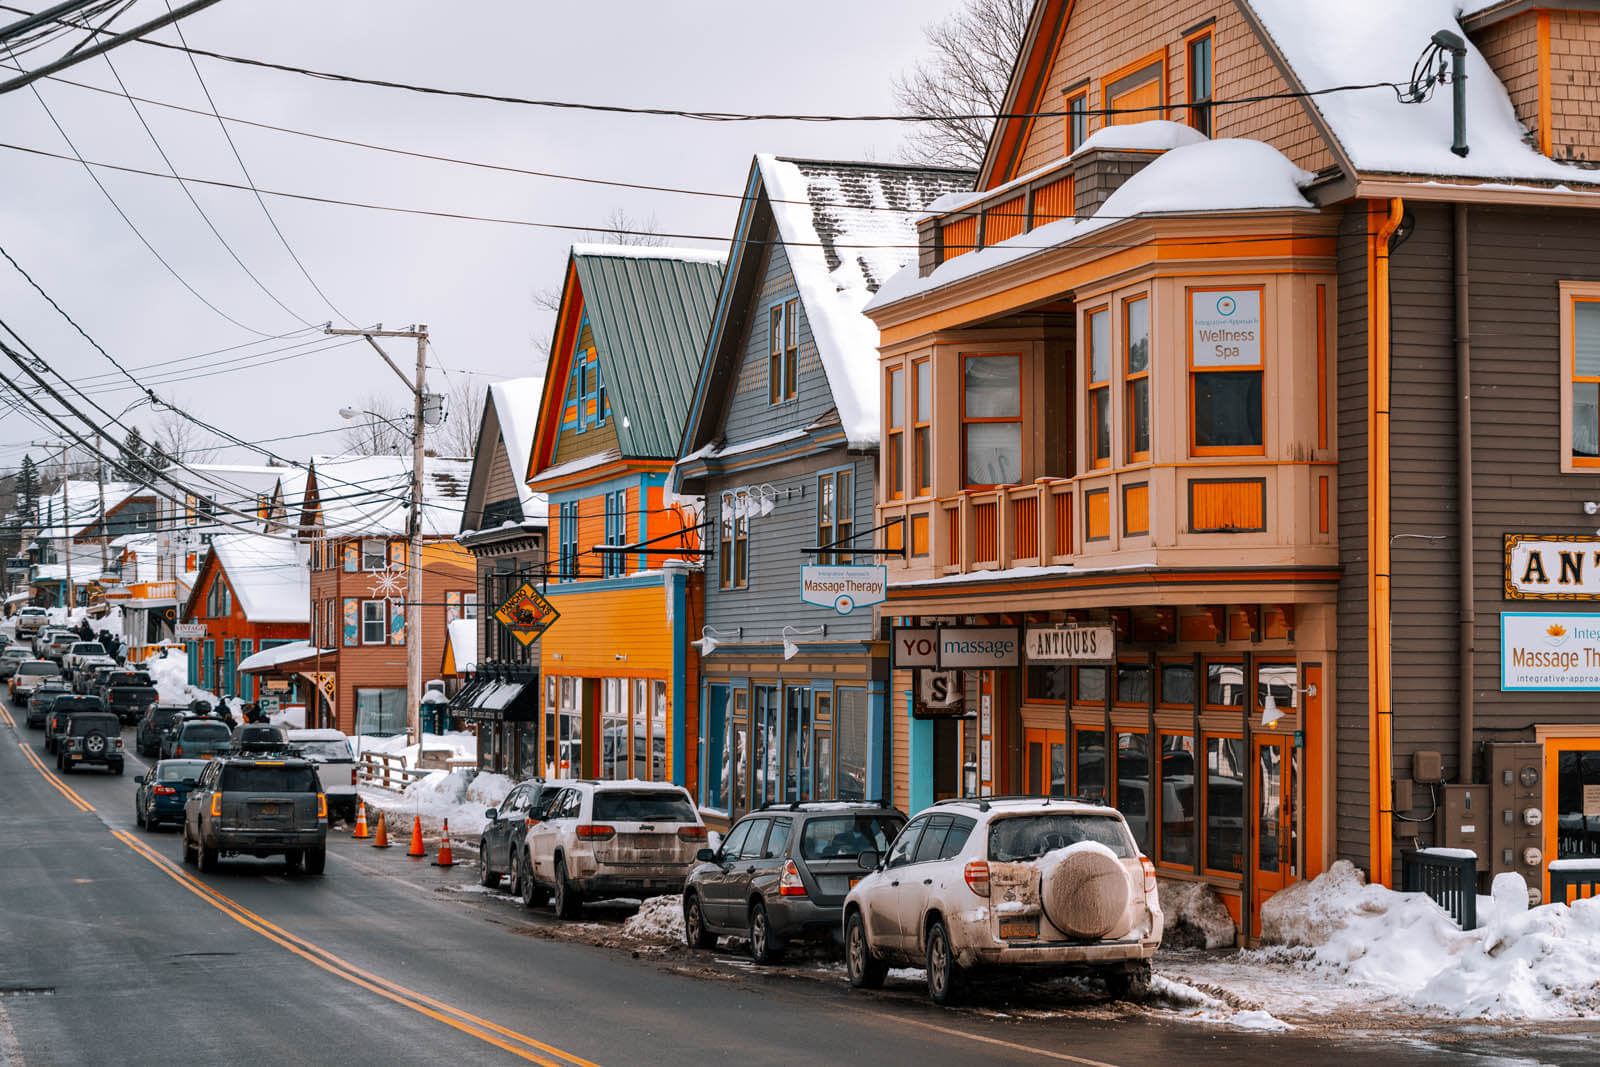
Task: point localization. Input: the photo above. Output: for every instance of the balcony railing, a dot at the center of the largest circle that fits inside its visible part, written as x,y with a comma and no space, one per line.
1010,526
153,590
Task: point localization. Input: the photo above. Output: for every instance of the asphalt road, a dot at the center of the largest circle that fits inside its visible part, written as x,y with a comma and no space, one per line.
112,951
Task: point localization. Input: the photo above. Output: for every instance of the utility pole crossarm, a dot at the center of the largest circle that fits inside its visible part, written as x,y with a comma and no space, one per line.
370,334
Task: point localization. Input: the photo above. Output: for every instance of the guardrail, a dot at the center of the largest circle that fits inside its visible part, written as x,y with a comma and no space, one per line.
387,771
1449,877
1582,877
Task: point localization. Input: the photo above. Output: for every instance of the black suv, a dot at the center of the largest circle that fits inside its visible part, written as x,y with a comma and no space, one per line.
42,699
783,873
248,806
258,737
128,693
191,738
156,721
507,831
91,735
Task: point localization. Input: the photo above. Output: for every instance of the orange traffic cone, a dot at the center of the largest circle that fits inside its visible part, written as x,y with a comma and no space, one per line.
445,858
382,840
416,848
361,821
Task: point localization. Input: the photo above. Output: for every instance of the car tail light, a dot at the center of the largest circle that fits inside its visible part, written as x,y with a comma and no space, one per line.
180,751
119,742
596,832
352,775
692,833
216,805
977,876
322,805
789,883
72,742
1149,875
163,791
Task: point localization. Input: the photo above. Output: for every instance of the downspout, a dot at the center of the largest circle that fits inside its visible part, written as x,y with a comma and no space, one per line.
1468,610
1380,711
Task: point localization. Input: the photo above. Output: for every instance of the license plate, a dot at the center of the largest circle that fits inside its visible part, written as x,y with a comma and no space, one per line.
205,755
269,809
1015,928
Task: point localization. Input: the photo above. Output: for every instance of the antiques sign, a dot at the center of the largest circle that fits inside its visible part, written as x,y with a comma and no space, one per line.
1552,567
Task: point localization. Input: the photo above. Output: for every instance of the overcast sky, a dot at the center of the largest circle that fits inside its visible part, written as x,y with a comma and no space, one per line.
472,282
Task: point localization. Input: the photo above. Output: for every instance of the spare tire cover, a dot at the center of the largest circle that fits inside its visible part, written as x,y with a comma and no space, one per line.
1084,891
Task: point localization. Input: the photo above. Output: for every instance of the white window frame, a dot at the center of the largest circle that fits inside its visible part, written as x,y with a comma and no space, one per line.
382,621
383,553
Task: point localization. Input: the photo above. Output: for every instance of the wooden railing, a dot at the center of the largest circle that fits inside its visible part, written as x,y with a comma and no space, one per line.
1008,526
153,590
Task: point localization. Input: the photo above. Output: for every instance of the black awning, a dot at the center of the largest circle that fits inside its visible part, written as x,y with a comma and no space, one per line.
502,702
469,692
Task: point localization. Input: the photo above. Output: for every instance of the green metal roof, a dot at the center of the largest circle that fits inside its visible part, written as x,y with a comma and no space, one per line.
650,310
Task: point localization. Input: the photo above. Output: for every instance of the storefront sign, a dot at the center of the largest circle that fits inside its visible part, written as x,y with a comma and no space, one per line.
844,588
527,614
939,689
1552,567
1085,644
1225,327
985,647
189,631
916,648
1549,650
1591,800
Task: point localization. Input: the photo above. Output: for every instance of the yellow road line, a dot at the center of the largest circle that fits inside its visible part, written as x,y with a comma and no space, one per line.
451,1016
62,787
6,715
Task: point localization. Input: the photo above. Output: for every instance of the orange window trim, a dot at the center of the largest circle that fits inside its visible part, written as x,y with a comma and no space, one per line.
1188,320
1542,23
1136,510
1098,390
1097,515
921,428
1156,59
1570,339
1188,75
1322,367
966,419
1133,377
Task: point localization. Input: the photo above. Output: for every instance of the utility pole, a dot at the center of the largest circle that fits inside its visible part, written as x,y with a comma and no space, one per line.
66,519
414,519
100,483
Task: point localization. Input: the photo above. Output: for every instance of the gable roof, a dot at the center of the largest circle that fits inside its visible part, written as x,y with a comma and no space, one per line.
268,575
845,229
367,494
83,503
511,410
649,309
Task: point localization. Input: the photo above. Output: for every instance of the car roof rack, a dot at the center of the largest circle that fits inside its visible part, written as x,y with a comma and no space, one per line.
984,803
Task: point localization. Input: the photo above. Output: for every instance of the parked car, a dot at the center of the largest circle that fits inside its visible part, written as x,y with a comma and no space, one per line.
87,678
162,791
49,634
202,738
153,725
29,620
90,735
77,652
128,693
782,874
42,699
336,767
29,675
610,839
506,830
245,806
11,657
1053,886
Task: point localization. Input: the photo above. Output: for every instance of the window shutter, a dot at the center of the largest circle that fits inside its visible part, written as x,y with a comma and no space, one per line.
397,622
352,621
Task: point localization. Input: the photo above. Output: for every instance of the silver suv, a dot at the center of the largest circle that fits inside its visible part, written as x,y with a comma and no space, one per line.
608,839
1044,884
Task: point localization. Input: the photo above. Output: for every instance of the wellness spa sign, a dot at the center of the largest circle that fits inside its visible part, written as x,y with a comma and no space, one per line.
1549,650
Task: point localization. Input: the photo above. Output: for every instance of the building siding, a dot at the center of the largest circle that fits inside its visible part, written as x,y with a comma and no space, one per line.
1350,755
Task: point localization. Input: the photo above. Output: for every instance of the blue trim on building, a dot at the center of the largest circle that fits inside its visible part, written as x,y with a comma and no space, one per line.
680,675
878,783
919,759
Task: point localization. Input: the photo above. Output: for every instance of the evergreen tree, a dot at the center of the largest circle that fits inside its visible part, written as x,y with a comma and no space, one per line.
134,457
28,489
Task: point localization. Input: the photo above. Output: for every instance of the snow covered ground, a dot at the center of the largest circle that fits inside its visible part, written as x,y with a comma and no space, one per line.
460,795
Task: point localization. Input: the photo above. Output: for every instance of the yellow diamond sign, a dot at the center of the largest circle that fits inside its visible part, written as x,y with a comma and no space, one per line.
527,614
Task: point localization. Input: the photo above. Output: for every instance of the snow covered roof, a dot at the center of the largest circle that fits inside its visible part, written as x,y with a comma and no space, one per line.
463,636
516,405
683,255
268,574
846,228
82,497
268,658
1221,176
1327,45
367,494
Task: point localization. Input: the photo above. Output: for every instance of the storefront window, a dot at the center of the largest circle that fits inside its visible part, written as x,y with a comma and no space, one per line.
380,711
1177,684
769,745
850,733
1091,685
1090,754
1277,679
1577,822
569,729
1048,683
1133,784
641,729
613,729
1224,685
1133,684
1225,804
714,788
738,743
797,745
1177,799
822,746
550,705
658,731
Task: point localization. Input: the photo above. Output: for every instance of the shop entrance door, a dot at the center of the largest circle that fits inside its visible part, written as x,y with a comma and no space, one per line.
1045,762
1273,825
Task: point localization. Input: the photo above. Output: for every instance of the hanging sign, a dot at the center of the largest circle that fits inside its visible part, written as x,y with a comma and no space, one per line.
979,647
1083,644
1549,651
527,614
189,631
844,588
1552,567
1225,327
916,648
939,689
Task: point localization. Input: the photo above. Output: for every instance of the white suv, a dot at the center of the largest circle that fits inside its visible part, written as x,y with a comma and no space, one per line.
608,839
996,883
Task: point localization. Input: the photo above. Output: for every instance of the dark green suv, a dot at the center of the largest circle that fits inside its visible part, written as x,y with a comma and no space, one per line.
249,806
89,738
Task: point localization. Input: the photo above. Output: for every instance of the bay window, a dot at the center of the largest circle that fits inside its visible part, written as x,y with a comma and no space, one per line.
1225,368
1099,378
991,420
1136,366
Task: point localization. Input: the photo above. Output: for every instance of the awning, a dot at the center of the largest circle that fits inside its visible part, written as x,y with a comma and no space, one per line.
489,700
273,656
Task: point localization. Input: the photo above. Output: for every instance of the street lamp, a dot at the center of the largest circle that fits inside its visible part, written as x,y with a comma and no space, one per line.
351,413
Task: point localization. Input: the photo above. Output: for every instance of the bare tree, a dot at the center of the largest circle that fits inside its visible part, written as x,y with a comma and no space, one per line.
378,429
457,436
621,228
972,53
176,439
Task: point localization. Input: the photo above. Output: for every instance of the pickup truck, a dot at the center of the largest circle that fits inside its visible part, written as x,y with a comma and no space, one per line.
78,653
128,694
246,806
30,619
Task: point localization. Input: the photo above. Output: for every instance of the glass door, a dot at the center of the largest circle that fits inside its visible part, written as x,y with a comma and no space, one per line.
1272,830
1044,765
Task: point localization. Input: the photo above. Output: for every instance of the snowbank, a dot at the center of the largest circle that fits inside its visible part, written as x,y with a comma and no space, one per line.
460,744
1195,916
1542,963
170,673
658,919
460,796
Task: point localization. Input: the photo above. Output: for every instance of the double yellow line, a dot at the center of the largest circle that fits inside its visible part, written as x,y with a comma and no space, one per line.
6,717
517,1044
50,776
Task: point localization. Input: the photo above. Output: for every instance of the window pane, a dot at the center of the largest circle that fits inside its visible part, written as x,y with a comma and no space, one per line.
1225,804
1177,683
1138,339
850,733
924,385
822,760
1224,685
1227,409
1133,784
1100,400
1133,683
991,387
993,453
921,444
1139,415
1269,796
1577,833
1200,68
1586,338
1091,685
1099,346
1177,798
932,840
1586,419
715,790
896,397
658,731
1091,764
1047,683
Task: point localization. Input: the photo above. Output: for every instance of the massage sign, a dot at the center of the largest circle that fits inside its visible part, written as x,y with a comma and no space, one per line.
527,614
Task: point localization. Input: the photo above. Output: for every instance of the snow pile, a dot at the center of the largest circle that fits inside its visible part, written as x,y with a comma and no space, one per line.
292,716
460,744
1232,174
1156,135
489,789
1195,916
658,919
1542,963
170,673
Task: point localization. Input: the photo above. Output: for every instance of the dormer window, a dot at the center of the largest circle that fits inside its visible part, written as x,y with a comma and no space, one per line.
1197,52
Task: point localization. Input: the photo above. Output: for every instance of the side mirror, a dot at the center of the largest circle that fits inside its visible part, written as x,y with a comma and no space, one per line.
706,855
138,779
491,813
868,860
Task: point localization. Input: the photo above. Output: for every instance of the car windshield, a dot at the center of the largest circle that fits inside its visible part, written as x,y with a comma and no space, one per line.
847,836
15,653
259,733
324,750
654,806
177,770
206,731
259,778
39,667
163,716
1027,837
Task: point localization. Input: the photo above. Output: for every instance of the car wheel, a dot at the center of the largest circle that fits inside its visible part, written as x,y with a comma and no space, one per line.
695,933
188,855
138,816
1130,982
293,860
208,858
944,975
526,888
765,947
486,876
316,859
568,903
866,971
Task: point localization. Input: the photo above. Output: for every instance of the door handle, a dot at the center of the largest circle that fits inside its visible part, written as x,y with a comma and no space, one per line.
927,881
894,883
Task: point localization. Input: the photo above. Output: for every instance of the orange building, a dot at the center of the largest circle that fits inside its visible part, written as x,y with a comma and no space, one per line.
250,594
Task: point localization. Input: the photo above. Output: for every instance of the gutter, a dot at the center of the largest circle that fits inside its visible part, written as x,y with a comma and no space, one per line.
1467,617
1380,693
